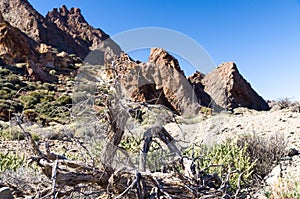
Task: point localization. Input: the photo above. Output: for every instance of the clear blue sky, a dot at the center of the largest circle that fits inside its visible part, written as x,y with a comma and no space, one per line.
261,36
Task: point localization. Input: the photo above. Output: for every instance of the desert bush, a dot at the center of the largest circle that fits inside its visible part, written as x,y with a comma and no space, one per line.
64,100
266,151
284,188
224,158
14,79
10,162
28,101
49,87
11,134
284,103
295,107
5,94
30,115
3,71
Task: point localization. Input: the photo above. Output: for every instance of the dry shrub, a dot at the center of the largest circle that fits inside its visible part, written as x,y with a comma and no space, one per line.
295,107
285,188
284,103
266,151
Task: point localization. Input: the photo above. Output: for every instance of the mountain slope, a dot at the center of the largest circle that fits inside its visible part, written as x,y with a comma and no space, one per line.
50,31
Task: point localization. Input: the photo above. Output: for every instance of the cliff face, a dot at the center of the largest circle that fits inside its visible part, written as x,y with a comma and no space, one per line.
63,29
15,46
89,38
230,90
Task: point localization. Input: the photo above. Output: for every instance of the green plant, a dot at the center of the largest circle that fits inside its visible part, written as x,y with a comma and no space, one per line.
10,162
28,101
224,158
64,100
131,144
30,115
11,134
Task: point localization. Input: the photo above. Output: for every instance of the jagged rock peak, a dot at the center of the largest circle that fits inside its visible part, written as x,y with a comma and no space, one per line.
89,38
162,57
196,77
64,10
230,90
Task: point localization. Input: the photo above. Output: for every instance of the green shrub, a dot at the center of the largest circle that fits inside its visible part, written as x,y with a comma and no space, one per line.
10,86
11,134
30,115
14,79
10,162
28,101
4,94
4,72
64,100
224,158
49,87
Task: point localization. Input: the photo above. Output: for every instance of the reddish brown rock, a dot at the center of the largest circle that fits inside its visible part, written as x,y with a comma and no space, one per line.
66,30
158,83
37,72
159,56
89,38
230,90
15,46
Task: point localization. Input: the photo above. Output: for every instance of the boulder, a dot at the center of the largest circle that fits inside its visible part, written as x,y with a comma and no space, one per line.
230,90
158,82
5,193
159,56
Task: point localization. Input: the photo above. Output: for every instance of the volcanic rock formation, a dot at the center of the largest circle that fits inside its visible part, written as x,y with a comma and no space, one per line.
63,29
15,46
159,82
230,90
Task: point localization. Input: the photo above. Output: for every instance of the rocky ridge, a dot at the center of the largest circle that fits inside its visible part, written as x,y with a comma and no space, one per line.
230,90
53,40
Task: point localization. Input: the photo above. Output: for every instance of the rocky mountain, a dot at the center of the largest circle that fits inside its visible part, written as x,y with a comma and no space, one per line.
159,56
160,81
87,37
55,43
230,90
63,29
15,46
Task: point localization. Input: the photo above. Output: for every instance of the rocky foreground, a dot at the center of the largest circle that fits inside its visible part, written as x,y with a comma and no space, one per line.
207,130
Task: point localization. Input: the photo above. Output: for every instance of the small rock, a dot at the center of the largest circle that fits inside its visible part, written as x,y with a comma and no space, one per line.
273,177
5,193
292,152
260,196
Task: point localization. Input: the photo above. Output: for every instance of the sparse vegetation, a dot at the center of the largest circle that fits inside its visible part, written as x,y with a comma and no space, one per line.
10,162
285,188
227,168
266,151
224,158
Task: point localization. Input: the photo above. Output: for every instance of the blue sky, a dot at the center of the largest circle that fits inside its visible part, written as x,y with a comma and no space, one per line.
261,36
